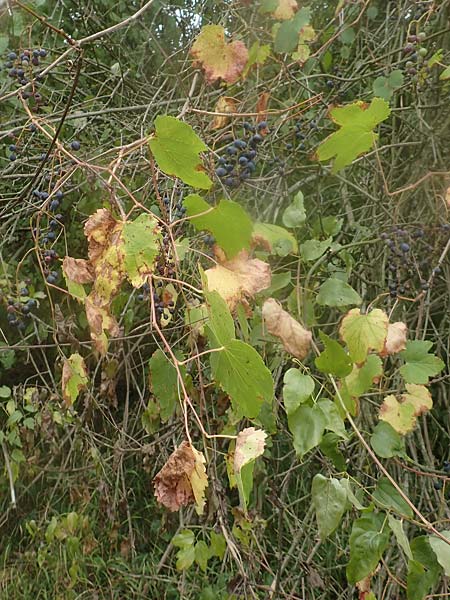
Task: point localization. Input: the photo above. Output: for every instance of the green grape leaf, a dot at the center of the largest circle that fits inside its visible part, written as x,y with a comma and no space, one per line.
384,87
386,496
183,539
228,222
335,292
176,149
333,420
74,378
250,444
423,571
329,446
287,34
217,545
141,246
275,239
164,382
386,442
295,214
368,540
362,377
442,550
313,249
329,499
445,74
356,135
241,372
397,529
185,558
419,364
364,332
220,322
201,554
257,55
333,359
307,425
297,389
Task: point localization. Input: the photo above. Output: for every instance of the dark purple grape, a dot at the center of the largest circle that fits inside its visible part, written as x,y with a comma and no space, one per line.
404,247
42,53
222,160
232,150
59,195
54,205
51,279
241,144
221,172
12,56
243,160
12,157
251,166
75,145
262,125
51,235
256,139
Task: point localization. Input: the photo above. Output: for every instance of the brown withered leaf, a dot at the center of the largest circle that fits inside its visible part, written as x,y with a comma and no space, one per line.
294,337
78,270
100,320
395,339
239,279
182,479
97,230
225,104
261,108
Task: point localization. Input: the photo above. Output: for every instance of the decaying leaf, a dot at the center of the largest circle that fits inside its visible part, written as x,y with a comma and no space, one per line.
116,250
261,108
219,59
182,479
396,338
250,444
307,34
239,279
295,338
447,197
225,104
78,270
74,378
401,415
285,10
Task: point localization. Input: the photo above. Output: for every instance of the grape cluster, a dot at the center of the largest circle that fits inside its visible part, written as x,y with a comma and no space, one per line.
238,162
405,249
161,302
415,53
20,310
50,233
21,67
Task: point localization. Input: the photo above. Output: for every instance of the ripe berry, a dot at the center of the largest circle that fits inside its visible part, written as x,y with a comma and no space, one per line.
51,279
42,52
12,56
54,205
437,485
231,150
241,144
262,125
12,157
404,247
221,172
75,145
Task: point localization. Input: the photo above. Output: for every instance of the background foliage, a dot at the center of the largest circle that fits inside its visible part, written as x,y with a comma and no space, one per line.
86,424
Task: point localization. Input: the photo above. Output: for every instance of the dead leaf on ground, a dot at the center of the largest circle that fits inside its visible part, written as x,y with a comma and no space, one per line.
239,279
294,337
182,479
395,339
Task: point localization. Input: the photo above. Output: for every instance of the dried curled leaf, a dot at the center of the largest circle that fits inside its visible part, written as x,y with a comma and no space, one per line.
239,279
182,479
225,104
78,270
395,339
219,59
295,338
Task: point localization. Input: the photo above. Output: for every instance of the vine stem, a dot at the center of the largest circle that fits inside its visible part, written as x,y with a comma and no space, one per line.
10,475
379,464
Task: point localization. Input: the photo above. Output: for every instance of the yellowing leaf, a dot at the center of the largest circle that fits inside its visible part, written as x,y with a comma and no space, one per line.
182,479
219,59
225,104
199,481
239,279
396,338
140,246
295,338
307,34
286,9
364,332
249,445
355,136
402,415
74,378
176,148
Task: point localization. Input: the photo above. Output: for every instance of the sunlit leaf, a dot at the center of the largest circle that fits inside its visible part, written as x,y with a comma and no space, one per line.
176,149
355,136
364,332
